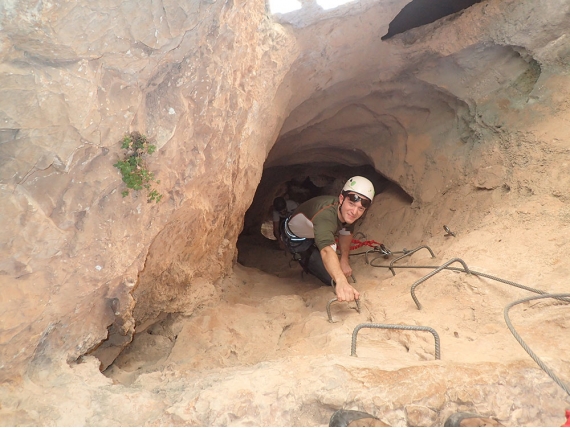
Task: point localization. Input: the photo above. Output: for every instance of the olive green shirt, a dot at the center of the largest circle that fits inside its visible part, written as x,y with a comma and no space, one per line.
318,218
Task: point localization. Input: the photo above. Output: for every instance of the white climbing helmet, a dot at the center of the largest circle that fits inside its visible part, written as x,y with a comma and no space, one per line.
360,185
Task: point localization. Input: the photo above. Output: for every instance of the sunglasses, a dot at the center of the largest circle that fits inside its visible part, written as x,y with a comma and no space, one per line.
353,197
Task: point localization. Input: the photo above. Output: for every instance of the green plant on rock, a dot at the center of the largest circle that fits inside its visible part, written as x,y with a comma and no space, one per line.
133,166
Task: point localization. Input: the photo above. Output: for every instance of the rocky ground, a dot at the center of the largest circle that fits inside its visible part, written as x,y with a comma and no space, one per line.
469,116
267,355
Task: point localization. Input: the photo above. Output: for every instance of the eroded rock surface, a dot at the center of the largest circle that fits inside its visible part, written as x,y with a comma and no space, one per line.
467,116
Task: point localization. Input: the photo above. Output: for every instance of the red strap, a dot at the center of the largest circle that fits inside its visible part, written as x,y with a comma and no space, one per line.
356,243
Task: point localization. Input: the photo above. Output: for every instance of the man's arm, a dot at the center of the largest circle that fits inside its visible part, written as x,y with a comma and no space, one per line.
277,234
344,242
344,291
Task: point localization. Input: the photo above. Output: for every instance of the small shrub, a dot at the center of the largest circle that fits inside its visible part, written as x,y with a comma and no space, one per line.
133,166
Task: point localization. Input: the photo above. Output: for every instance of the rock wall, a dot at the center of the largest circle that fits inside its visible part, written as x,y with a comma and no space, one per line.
199,79
429,103
214,84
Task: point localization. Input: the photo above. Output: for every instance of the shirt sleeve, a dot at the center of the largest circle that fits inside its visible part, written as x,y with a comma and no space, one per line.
324,226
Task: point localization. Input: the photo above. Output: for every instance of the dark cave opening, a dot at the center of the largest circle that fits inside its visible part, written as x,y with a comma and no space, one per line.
299,183
423,12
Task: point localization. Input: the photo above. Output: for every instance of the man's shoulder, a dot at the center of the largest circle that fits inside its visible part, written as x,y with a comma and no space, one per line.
324,206
325,199
316,204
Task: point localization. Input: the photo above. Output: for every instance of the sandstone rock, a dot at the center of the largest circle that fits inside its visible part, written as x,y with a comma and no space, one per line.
227,92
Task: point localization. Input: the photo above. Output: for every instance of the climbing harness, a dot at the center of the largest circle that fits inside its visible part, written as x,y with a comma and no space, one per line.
294,244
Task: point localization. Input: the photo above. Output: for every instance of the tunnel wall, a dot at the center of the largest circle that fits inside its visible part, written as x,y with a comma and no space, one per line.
409,132
214,84
440,98
78,262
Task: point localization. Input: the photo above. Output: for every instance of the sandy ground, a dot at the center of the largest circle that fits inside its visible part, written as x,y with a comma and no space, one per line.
273,314
267,355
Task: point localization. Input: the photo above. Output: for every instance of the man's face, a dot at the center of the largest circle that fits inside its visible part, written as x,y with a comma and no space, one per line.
351,208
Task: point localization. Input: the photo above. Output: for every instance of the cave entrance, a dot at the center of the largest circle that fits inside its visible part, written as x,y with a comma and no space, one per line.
256,245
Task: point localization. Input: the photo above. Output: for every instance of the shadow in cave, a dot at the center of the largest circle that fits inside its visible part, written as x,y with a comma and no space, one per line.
256,245
423,12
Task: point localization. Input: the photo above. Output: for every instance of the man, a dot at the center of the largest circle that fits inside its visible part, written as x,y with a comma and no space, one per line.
309,234
281,210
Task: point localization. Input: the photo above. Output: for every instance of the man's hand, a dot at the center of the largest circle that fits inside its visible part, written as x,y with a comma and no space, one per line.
346,292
